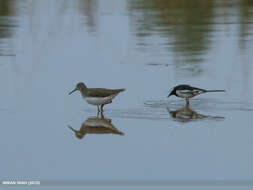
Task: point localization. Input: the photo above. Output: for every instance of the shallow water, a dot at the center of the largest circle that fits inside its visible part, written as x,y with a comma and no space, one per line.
147,47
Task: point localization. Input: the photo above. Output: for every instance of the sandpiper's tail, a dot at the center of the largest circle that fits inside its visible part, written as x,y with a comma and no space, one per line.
216,91
120,133
120,90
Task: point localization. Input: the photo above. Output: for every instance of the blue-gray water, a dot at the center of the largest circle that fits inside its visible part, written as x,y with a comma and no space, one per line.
147,47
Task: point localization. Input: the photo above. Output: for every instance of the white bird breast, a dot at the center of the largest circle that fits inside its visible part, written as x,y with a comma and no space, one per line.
187,93
184,93
99,100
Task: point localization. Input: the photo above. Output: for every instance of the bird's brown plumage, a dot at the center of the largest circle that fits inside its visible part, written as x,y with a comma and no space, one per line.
102,92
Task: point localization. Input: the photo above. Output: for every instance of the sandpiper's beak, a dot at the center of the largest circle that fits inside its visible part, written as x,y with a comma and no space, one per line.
77,133
72,129
73,91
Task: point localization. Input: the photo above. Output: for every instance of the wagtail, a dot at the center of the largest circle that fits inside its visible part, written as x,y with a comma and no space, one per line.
187,91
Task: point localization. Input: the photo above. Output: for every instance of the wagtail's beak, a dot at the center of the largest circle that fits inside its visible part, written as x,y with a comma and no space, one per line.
170,92
73,91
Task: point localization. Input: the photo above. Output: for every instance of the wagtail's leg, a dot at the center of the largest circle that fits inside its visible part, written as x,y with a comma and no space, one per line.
98,108
102,115
102,107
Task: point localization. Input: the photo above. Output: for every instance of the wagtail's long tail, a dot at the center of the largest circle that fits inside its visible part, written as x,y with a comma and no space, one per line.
215,90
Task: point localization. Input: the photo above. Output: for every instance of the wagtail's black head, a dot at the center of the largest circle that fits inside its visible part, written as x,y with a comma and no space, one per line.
172,91
180,87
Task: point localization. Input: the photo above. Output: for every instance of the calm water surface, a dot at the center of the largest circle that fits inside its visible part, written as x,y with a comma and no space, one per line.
147,47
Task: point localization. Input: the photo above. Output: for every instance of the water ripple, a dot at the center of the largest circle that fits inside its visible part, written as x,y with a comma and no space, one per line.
202,104
200,109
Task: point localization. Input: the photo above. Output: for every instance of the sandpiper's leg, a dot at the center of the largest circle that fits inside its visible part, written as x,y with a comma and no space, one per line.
98,108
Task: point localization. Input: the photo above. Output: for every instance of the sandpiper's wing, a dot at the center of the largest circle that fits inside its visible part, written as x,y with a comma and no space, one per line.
102,92
103,130
100,126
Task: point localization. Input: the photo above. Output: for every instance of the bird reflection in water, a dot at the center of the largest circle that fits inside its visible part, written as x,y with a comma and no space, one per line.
186,114
96,125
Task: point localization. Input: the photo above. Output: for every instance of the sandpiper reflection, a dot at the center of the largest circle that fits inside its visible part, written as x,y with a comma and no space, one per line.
186,114
96,125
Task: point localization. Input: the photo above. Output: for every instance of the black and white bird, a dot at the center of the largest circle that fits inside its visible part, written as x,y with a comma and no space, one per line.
187,91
